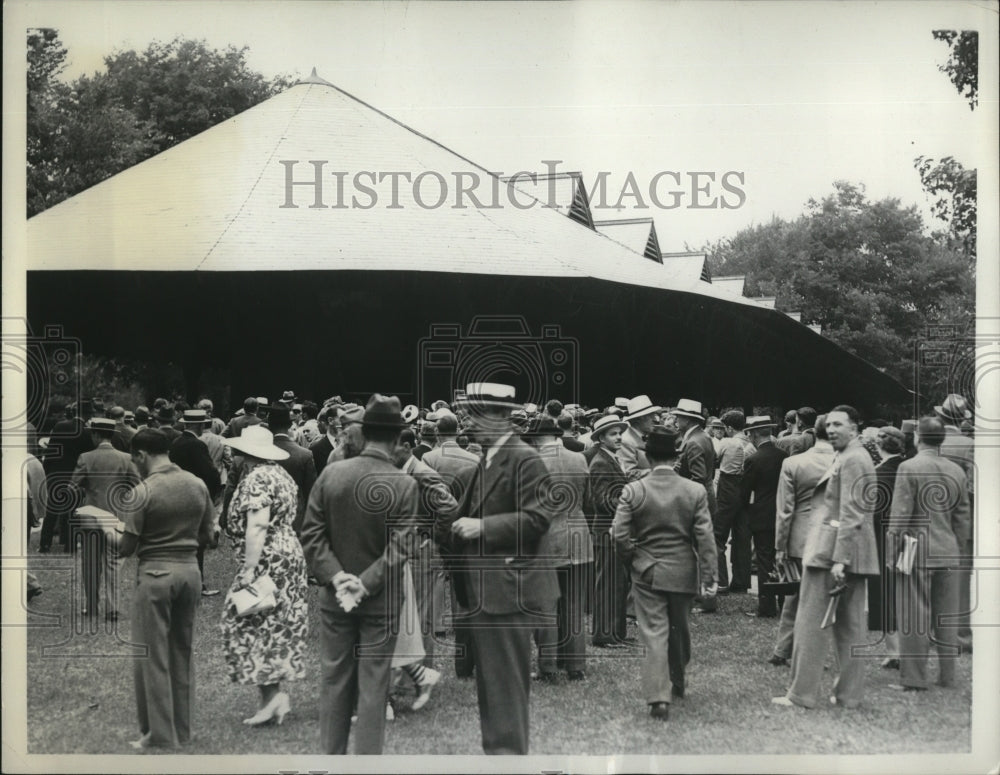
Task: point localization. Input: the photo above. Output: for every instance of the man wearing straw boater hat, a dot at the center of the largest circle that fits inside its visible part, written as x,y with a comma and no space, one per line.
357,533
641,418
611,577
697,463
498,577
663,530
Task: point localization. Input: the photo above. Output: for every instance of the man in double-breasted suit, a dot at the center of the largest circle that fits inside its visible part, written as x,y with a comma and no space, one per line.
104,476
356,535
931,504
840,552
759,487
664,530
794,522
611,576
502,586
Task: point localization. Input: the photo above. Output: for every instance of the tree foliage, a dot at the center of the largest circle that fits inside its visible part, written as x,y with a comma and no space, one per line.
962,67
953,191
83,132
866,271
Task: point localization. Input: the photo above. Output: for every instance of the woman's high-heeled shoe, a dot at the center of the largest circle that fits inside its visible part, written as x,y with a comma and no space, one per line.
266,713
284,706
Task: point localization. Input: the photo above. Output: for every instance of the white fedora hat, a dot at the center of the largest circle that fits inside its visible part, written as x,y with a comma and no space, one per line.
760,421
410,413
258,442
488,394
640,406
606,423
688,408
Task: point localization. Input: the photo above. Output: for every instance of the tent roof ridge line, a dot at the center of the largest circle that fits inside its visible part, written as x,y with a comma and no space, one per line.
253,188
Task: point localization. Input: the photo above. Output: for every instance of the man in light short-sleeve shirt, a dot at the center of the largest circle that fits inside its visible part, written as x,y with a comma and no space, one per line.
169,516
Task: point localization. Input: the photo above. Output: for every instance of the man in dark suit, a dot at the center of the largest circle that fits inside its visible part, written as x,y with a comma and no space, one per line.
660,520
249,417
164,420
565,423
299,464
794,521
122,440
67,441
611,576
191,454
356,535
428,438
840,552
499,579
697,463
930,504
326,423
103,476
760,493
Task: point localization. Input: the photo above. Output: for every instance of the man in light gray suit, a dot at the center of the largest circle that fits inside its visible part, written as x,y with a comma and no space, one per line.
664,530
840,552
931,504
794,521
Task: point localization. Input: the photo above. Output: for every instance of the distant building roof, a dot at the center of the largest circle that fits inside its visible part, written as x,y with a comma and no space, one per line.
732,283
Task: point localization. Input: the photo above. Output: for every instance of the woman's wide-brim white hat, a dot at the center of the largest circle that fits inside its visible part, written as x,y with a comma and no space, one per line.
257,442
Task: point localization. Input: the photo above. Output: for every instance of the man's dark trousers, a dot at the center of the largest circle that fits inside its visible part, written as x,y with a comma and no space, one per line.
611,584
502,647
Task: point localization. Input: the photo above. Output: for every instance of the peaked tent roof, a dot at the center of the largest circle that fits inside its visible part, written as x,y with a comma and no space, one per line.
637,234
695,265
733,283
282,187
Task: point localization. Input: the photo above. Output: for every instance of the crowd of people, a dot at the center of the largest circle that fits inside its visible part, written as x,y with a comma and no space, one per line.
527,523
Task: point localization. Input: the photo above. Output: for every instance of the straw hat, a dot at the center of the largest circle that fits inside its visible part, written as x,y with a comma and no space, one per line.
688,408
606,423
257,442
640,406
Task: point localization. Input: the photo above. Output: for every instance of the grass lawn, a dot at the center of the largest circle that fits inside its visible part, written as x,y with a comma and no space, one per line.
80,695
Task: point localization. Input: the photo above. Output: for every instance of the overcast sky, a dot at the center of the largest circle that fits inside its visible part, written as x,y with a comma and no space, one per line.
791,95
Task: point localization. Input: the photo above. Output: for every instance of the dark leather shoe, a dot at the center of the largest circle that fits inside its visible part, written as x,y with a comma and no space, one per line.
902,688
607,644
760,615
659,710
576,675
890,664
723,591
702,610
676,692
778,661
547,677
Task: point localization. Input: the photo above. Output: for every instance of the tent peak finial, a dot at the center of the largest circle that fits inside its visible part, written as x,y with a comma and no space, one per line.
314,78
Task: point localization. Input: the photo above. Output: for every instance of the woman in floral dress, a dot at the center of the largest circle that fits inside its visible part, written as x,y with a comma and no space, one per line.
266,648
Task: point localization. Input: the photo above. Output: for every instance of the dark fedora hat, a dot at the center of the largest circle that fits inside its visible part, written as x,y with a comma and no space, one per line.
545,426
165,414
383,412
661,442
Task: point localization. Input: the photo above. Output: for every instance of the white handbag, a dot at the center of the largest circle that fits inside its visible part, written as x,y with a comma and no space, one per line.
257,598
